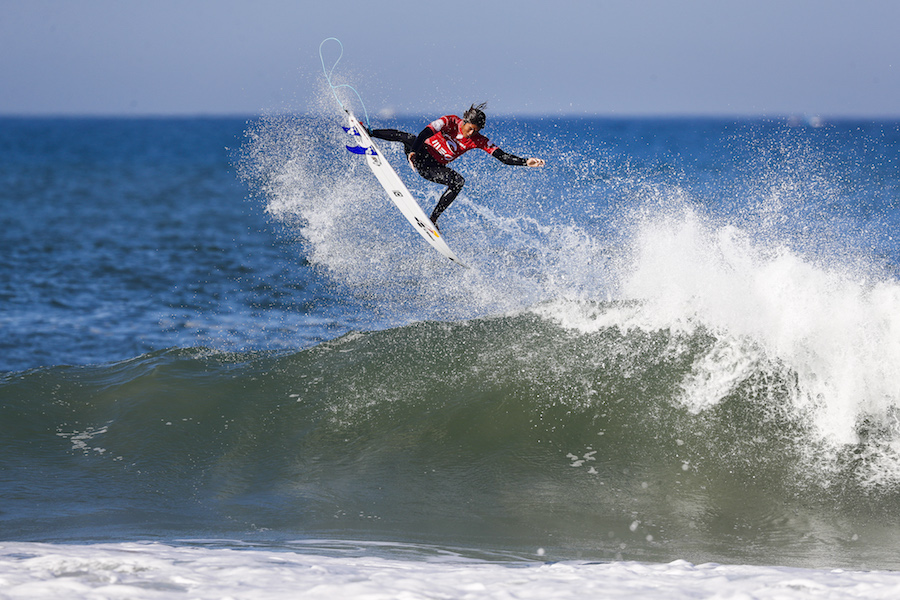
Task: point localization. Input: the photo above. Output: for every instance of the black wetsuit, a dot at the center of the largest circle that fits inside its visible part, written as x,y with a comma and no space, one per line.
431,169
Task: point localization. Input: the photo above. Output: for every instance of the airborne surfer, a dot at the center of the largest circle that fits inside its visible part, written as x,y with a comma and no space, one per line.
444,140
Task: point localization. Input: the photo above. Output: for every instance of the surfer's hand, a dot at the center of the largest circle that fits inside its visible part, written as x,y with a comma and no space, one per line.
412,161
535,162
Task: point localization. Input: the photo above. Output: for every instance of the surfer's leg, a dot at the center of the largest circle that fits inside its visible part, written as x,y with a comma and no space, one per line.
395,135
447,198
445,176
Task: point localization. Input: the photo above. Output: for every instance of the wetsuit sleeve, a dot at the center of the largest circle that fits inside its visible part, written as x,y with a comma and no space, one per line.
424,135
509,159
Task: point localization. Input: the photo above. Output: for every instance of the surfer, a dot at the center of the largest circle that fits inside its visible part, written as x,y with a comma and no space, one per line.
444,140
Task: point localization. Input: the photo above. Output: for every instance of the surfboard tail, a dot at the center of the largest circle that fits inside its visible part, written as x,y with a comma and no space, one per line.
354,130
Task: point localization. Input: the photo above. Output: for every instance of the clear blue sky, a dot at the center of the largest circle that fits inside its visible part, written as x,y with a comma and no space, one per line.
600,57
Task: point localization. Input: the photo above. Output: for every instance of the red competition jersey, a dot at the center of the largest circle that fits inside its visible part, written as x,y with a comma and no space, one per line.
448,144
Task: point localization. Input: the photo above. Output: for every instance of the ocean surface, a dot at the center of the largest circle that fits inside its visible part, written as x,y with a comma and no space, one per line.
230,368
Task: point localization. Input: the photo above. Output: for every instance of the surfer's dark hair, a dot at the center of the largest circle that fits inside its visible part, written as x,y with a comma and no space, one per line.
475,115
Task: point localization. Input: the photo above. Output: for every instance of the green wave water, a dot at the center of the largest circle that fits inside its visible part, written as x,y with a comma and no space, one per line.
508,432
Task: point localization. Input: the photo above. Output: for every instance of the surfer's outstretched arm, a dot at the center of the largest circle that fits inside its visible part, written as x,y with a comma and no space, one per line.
516,161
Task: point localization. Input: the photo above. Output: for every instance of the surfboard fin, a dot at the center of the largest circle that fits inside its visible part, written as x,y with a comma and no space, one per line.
361,150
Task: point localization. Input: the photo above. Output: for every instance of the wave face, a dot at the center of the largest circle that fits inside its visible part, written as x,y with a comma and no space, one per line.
513,431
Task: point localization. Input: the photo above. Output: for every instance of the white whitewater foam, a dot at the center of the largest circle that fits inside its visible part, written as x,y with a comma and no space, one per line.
155,571
831,327
834,329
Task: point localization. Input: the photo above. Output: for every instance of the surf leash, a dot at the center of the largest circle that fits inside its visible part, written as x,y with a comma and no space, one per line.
334,88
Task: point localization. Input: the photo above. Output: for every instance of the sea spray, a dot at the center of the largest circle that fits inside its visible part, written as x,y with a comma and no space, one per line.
330,199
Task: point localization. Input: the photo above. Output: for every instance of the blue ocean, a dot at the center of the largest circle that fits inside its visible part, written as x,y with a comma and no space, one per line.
230,368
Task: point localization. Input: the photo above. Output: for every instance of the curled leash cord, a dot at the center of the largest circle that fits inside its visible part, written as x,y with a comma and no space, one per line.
343,85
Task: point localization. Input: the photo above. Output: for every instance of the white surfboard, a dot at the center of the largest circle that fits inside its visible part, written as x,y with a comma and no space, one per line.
396,190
